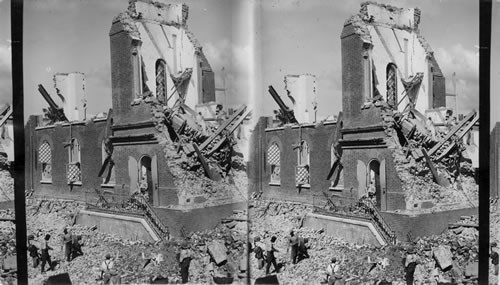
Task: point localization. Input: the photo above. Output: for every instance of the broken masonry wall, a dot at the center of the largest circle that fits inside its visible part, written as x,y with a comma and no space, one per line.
356,162
70,88
402,48
406,18
302,88
319,139
161,11
125,84
495,161
7,140
353,75
90,136
127,158
419,225
172,45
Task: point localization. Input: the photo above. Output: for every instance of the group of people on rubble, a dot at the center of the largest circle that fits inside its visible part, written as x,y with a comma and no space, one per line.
70,242
264,252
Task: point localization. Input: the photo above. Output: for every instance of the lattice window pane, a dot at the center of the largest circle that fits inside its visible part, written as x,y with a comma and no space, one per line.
273,157
73,172
302,176
391,85
45,153
161,81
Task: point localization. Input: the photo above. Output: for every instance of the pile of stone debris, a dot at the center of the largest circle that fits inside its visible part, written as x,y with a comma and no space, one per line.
447,258
431,163
6,186
8,263
216,252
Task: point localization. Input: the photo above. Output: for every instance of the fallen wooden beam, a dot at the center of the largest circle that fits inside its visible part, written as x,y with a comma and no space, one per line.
459,137
222,127
438,179
203,162
6,116
452,133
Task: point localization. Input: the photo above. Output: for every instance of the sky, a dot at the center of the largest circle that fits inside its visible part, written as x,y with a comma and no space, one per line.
69,36
5,54
257,43
304,37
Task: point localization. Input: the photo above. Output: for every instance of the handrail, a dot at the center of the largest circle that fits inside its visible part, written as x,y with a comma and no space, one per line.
153,217
379,220
362,210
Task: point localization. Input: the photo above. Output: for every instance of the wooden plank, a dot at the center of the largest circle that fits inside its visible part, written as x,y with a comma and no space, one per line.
459,137
452,132
5,117
434,172
203,162
222,127
216,146
4,108
239,121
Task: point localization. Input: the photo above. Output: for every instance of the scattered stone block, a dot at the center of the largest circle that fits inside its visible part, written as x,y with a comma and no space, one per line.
443,257
218,251
471,269
10,263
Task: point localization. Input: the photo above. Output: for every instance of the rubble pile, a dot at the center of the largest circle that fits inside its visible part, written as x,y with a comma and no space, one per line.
455,186
135,261
8,263
364,264
6,186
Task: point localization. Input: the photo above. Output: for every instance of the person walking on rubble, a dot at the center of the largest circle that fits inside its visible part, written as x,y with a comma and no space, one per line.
259,252
67,244
33,251
45,253
293,243
107,269
410,265
333,271
302,253
185,261
494,257
270,258
76,247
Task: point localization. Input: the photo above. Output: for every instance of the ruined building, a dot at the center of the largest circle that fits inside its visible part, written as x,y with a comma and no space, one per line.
391,85
163,107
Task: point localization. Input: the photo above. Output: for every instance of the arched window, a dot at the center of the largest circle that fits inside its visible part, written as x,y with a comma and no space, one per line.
109,174
302,172
74,173
273,158
45,159
161,81
392,85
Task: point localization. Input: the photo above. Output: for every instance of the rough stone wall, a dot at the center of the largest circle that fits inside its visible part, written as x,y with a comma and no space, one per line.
89,135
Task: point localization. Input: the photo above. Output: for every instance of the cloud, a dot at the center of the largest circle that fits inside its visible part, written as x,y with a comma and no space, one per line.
5,74
237,62
465,63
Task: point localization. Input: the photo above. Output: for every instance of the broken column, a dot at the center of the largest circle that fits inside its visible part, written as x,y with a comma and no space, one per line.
70,88
301,89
